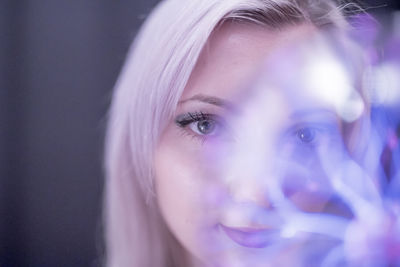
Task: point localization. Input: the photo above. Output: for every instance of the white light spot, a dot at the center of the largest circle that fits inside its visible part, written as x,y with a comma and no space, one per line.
385,84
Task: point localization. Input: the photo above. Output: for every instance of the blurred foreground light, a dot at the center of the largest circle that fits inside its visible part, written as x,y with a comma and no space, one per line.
328,80
385,85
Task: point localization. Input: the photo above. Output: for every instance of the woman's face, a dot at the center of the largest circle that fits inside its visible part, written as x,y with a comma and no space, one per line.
250,129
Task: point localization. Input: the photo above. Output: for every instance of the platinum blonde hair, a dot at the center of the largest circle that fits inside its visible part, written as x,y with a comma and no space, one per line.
154,76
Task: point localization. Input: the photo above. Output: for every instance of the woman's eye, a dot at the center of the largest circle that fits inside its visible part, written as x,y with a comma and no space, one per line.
306,135
315,134
200,124
204,127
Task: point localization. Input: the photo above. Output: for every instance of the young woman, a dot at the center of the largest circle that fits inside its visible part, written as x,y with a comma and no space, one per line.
219,128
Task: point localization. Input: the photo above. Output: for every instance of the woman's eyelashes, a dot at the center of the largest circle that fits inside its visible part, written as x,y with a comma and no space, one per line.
202,125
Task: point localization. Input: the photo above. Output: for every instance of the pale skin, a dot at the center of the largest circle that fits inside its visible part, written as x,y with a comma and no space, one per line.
194,195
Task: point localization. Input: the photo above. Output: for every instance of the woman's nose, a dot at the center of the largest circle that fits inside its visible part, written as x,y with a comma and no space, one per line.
250,200
246,191
248,178
250,169
249,172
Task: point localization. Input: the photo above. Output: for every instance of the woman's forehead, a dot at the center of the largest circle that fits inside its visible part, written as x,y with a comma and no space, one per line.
241,61
234,54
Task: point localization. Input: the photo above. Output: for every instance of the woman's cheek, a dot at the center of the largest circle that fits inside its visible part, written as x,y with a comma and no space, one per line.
181,179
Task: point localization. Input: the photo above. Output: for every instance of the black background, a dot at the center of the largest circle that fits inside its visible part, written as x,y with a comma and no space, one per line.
58,63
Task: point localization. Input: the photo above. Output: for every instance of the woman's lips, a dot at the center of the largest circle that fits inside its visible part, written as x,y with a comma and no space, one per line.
250,237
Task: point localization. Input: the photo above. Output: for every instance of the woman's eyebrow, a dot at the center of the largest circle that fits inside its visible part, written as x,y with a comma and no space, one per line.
312,112
210,100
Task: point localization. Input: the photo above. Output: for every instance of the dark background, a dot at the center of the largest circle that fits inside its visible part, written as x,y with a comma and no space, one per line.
58,63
